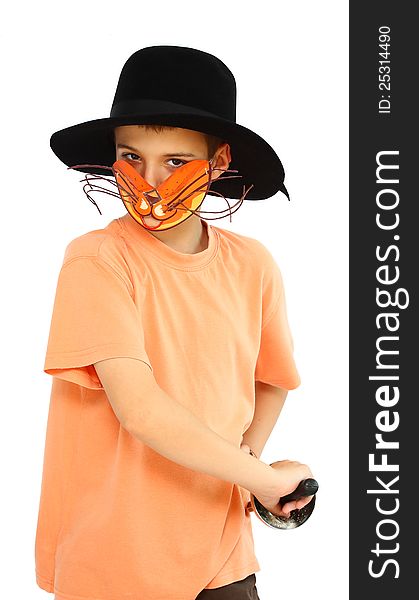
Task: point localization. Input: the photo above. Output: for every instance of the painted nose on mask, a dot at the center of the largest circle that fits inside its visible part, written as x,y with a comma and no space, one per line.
152,196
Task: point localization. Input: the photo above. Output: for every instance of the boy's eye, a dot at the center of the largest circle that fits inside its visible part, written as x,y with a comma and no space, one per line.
131,154
178,161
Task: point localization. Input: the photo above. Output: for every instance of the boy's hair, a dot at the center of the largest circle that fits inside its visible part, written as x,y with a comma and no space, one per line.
213,142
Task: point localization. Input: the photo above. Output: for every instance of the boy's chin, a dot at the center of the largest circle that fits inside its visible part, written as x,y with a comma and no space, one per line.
150,222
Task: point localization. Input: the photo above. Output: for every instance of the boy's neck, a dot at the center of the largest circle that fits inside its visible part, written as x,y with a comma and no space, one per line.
189,237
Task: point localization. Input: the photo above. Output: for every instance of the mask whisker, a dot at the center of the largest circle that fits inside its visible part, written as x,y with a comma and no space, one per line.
132,188
188,186
96,177
235,207
98,188
90,166
200,188
89,187
173,203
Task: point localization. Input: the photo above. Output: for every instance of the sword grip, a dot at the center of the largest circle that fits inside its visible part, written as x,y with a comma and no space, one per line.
306,487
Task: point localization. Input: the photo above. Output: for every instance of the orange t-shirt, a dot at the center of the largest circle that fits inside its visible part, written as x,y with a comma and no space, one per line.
117,520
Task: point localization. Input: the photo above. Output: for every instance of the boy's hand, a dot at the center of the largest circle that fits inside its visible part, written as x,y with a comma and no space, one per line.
290,473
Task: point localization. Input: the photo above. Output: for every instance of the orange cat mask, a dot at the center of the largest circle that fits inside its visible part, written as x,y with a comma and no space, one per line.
170,203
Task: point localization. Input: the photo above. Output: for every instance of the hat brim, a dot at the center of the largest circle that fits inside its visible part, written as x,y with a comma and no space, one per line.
255,160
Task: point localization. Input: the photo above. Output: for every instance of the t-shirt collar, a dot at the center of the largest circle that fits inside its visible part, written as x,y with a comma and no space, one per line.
164,252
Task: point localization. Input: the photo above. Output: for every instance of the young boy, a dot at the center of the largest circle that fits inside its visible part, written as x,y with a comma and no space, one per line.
170,353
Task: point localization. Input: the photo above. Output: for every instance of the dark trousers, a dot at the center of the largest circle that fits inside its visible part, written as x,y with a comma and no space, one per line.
238,590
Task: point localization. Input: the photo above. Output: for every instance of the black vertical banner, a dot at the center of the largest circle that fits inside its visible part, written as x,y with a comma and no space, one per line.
384,356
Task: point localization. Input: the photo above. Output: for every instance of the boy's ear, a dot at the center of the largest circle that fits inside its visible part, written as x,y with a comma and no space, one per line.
223,158
228,151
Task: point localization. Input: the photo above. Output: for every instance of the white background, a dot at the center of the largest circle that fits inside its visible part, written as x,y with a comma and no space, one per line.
60,66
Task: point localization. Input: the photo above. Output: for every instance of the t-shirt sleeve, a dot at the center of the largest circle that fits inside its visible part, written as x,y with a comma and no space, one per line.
275,363
94,317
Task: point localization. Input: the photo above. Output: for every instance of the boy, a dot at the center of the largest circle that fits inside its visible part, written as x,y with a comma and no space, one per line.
170,353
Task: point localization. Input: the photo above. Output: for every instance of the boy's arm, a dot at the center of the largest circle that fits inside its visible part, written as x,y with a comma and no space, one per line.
269,401
169,428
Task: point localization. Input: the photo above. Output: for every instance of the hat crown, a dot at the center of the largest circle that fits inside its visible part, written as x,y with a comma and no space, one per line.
176,74
177,86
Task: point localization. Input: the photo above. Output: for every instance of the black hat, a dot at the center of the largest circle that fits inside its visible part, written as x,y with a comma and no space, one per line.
179,87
